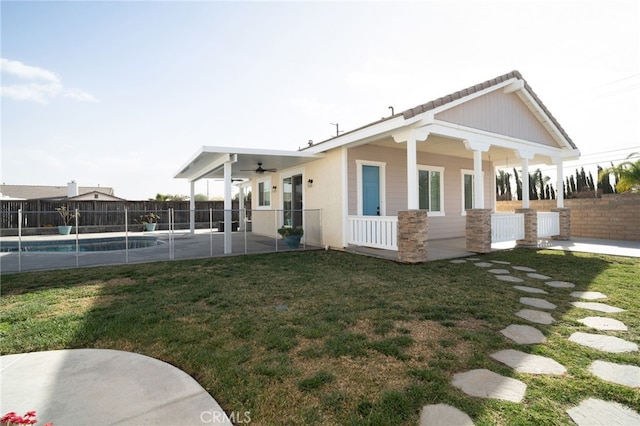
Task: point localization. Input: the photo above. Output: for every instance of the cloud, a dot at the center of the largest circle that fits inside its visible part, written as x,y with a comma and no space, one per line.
44,85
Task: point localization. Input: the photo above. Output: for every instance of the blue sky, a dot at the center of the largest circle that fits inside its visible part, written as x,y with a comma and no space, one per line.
122,94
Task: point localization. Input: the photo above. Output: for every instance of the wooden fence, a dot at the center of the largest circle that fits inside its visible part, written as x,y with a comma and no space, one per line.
41,217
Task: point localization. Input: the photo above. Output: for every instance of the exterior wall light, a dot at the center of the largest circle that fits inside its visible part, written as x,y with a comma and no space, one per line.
274,188
310,183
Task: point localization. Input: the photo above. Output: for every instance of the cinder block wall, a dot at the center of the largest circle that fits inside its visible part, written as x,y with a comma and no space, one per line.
612,217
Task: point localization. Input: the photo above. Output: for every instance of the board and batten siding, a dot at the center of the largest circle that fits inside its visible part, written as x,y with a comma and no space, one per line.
501,113
452,224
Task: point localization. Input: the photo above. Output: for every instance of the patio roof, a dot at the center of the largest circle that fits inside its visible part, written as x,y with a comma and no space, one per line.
208,162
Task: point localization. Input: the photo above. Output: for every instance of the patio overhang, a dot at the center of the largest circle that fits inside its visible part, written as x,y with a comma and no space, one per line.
209,161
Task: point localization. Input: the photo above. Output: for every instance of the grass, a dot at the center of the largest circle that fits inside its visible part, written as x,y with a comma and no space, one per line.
361,341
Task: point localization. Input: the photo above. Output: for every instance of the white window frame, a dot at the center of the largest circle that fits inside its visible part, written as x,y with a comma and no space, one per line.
267,184
427,168
383,184
464,172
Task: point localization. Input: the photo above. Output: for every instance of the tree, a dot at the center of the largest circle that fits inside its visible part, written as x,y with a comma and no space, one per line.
201,197
169,197
627,174
503,185
518,184
604,184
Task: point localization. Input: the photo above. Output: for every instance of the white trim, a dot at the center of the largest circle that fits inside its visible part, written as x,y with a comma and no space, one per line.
439,169
289,174
468,172
383,188
345,195
267,182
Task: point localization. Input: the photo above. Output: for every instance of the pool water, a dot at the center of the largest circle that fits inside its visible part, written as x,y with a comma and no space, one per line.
84,245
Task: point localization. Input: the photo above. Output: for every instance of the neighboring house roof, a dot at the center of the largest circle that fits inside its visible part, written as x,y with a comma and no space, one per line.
95,195
42,192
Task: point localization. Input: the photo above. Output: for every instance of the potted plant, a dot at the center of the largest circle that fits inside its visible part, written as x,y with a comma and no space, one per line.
291,236
149,221
67,216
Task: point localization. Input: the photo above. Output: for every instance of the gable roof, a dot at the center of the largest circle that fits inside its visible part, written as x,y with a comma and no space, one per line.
450,98
35,192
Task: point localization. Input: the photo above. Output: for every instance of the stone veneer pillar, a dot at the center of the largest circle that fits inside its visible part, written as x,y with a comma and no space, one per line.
478,230
530,228
412,236
565,224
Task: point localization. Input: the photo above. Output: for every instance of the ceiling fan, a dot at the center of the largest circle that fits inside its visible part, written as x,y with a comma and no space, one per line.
260,170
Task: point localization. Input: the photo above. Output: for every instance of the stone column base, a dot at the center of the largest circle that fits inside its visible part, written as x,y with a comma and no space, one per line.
530,228
565,224
412,236
478,230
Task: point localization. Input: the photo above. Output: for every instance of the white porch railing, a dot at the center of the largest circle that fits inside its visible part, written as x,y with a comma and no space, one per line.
548,224
507,227
374,231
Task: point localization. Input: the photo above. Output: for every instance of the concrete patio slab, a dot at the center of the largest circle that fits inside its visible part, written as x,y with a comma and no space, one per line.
527,363
530,289
487,384
626,375
523,334
443,415
588,295
537,303
603,343
592,412
537,317
597,306
603,324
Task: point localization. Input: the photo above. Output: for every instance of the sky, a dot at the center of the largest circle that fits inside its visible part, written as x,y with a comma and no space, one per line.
122,94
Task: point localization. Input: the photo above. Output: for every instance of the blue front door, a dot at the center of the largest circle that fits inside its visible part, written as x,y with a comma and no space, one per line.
371,190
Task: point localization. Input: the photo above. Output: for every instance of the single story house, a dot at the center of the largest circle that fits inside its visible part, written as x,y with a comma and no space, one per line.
422,174
70,192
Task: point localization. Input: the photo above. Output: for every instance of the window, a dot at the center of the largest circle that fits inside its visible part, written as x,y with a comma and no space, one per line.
264,193
468,190
431,189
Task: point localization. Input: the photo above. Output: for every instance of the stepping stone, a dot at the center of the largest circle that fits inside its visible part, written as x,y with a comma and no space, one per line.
473,259
530,289
458,261
484,264
487,384
603,324
527,363
509,278
626,375
538,276
443,415
597,306
594,411
589,295
537,303
560,284
538,317
498,271
523,334
603,343
523,269
501,262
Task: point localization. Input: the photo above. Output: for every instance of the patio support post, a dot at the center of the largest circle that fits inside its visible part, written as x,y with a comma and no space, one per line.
192,208
227,208
478,182
241,215
559,184
412,175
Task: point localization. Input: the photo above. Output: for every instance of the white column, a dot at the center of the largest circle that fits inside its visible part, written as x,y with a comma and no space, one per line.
559,184
241,214
192,208
413,200
525,183
227,208
478,182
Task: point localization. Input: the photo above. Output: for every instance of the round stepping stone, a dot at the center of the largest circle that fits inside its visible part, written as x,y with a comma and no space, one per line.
473,259
523,334
537,303
594,411
538,317
529,289
484,264
597,306
560,284
527,363
603,343
458,261
523,269
509,278
501,262
589,295
443,415
538,276
498,271
626,375
487,384
603,324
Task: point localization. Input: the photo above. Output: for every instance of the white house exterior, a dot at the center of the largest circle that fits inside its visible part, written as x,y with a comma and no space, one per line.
437,160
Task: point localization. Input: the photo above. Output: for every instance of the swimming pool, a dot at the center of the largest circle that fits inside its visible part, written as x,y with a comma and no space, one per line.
84,245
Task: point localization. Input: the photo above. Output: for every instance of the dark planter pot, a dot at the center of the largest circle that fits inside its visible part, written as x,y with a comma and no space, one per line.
292,241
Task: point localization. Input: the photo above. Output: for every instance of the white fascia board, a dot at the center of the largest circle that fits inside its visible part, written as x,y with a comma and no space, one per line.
209,167
456,131
258,151
189,163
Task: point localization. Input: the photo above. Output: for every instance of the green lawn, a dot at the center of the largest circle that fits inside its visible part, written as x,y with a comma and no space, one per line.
330,337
